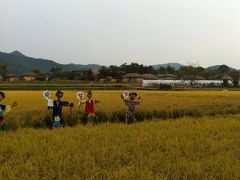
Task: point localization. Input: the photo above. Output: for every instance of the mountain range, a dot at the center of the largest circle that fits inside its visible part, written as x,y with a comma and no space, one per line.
18,63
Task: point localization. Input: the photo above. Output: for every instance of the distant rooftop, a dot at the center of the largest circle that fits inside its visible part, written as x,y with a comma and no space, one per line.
29,74
132,75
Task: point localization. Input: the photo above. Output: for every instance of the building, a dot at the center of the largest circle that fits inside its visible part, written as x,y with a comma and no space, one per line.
149,77
183,83
132,78
31,76
11,77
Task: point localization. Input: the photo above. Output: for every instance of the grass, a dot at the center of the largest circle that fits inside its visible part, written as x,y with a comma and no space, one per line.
187,148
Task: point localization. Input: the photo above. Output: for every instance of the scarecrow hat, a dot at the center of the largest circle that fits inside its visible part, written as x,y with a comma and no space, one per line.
59,93
89,92
2,94
132,93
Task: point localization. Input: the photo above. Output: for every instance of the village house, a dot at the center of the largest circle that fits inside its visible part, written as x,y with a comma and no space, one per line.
11,77
31,76
149,77
132,78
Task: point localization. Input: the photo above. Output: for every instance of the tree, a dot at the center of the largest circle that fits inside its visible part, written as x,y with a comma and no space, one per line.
56,71
118,71
3,69
225,83
236,82
170,70
187,72
208,74
235,75
37,71
190,73
104,72
162,70
90,75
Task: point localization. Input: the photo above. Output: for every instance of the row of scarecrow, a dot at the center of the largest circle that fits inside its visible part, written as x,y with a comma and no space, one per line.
128,98
57,105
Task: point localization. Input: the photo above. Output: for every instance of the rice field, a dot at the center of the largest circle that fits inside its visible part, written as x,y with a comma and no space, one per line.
180,135
187,148
32,107
153,100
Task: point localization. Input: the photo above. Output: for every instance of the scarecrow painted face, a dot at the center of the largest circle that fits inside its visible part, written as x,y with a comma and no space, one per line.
59,94
89,95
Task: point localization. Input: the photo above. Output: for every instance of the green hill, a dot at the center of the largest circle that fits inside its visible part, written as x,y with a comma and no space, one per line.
19,63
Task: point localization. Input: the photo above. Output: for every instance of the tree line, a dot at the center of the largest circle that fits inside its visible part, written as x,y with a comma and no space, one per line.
185,72
189,72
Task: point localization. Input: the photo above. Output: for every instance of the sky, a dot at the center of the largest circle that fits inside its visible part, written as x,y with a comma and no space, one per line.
202,32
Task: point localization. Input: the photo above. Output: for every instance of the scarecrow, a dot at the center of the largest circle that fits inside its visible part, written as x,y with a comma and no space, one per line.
89,108
56,106
6,109
130,103
80,97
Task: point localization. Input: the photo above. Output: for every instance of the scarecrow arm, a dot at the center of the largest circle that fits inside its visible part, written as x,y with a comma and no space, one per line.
82,101
71,104
66,103
50,104
7,108
139,100
125,100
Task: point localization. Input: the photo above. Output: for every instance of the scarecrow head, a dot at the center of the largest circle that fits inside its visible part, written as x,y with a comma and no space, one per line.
2,96
59,94
89,94
133,95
